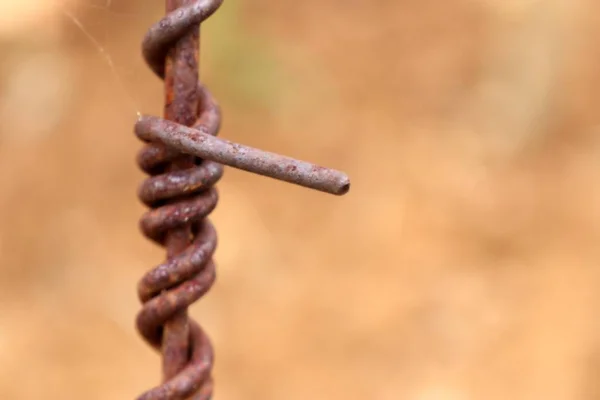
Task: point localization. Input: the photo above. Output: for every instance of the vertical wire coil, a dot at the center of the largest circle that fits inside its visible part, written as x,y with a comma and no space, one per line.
180,195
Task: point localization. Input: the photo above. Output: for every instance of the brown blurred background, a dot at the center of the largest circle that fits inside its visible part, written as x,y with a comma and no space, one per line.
463,264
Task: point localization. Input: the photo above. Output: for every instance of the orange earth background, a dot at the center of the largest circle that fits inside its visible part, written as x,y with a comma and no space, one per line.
463,264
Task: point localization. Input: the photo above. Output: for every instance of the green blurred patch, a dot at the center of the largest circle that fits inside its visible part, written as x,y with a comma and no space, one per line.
247,72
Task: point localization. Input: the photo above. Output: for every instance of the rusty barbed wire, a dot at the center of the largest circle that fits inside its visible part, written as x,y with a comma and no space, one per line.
200,144
184,160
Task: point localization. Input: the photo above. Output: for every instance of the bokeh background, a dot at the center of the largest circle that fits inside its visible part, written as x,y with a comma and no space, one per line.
463,264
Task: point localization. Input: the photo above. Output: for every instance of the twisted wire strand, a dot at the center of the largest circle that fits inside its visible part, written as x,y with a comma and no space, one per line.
179,198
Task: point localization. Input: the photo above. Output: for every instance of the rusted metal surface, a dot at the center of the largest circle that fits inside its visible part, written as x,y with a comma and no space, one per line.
198,143
184,160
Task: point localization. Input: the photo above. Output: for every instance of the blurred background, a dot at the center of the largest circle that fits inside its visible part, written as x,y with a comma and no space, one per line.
463,264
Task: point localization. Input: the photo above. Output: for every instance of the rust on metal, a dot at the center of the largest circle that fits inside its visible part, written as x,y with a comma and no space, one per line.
184,160
195,142
181,195
181,105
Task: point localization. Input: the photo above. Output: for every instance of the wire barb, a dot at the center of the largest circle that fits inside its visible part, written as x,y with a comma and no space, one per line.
200,144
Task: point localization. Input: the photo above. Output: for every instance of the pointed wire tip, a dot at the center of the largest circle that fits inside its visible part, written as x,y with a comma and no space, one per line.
344,187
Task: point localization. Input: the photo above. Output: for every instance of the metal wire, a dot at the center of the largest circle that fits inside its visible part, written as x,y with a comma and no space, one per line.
195,142
183,158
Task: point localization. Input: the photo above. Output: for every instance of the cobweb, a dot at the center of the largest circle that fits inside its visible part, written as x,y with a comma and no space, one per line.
69,13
